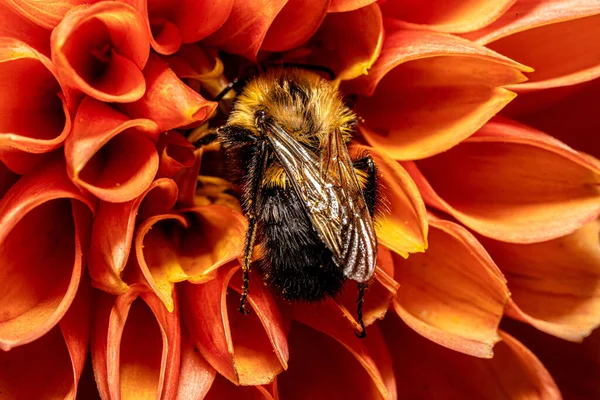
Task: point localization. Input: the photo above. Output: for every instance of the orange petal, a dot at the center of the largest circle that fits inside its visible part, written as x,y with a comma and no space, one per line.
554,284
295,24
512,183
187,181
135,346
33,105
110,155
196,376
555,37
223,389
347,5
246,349
349,42
101,50
168,101
379,295
112,233
246,27
43,221
453,294
404,228
175,152
336,367
13,24
171,248
455,16
574,366
429,91
44,13
513,373
571,119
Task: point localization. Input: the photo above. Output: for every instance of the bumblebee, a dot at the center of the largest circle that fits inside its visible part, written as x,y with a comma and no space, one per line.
310,207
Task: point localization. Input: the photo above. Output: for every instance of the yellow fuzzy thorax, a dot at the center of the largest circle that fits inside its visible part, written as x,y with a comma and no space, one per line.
307,106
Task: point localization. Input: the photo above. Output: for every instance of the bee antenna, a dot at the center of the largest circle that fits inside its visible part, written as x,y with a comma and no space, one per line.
359,312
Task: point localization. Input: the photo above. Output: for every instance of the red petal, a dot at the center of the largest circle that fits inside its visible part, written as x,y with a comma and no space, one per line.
454,16
175,152
554,284
570,119
555,37
574,366
43,213
44,13
347,5
246,27
196,376
404,229
135,346
170,249
429,91
12,24
168,101
245,349
513,373
336,365
34,103
112,233
455,301
295,24
101,50
348,43
512,183
109,155
7,179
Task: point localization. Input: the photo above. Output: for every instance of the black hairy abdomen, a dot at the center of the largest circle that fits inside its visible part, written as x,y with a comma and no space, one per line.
295,263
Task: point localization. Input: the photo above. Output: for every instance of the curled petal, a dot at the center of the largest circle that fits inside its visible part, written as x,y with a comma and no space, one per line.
554,37
295,24
453,294
186,21
347,367
429,91
101,50
513,373
168,101
171,248
246,27
175,152
574,366
404,228
135,346
512,183
455,16
33,105
110,155
187,181
46,14
570,118
196,376
554,284
246,349
7,179
14,25
349,42
43,221
347,5
112,233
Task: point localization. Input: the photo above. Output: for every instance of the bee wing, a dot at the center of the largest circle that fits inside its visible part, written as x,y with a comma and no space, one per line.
332,197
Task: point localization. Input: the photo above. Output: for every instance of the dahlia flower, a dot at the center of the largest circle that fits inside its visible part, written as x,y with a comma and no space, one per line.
120,242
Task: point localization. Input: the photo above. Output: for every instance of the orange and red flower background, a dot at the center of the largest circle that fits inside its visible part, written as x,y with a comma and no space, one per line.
120,242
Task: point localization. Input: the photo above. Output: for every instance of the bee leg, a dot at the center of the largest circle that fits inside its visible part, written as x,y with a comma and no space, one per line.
258,167
367,166
359,312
